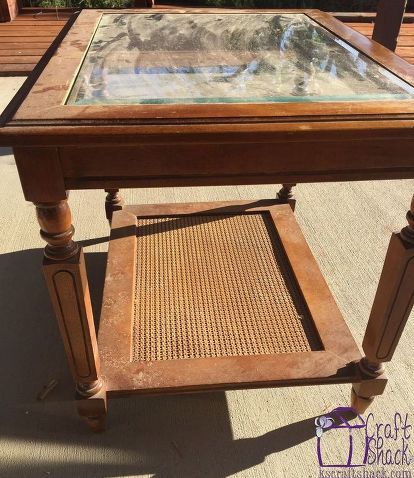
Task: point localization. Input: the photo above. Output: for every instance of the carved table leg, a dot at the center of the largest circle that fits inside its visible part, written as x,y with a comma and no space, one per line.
392,306
65,273
113,202
285,195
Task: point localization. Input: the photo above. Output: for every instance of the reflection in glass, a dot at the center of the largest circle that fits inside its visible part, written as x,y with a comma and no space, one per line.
220,58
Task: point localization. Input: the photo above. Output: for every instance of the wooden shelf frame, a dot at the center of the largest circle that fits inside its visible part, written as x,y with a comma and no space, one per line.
336,362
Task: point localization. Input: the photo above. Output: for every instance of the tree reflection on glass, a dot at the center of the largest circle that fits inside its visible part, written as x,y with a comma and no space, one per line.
219,58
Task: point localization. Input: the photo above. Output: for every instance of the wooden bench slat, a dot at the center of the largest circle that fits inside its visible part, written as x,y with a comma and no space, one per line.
21,60
11,69
16,52
10,46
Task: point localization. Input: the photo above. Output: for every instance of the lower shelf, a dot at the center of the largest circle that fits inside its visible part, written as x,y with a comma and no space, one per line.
217,296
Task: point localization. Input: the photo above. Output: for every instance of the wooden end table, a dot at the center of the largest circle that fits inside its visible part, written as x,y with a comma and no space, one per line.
220,295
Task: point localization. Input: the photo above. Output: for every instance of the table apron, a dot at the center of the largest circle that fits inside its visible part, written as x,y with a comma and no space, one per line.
46,172
245,163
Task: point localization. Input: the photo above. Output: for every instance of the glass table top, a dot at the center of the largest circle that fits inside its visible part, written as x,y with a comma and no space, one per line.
164,58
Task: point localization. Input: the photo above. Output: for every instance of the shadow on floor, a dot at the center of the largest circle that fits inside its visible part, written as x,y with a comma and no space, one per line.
180,436
5,151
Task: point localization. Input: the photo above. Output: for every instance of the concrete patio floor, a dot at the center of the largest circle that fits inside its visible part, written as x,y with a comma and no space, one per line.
256,433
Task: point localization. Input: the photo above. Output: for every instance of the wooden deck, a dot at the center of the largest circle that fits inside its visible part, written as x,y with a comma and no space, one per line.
405,47
24,40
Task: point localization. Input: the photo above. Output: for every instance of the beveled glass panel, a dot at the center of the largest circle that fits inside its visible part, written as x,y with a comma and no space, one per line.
162,58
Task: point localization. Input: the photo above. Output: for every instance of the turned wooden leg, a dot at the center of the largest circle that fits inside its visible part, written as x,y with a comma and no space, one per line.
392,306
113,202
65,273
285,195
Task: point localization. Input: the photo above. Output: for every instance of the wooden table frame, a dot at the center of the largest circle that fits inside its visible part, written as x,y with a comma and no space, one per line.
59,147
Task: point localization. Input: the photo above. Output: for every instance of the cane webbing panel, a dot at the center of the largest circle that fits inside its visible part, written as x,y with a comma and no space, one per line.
214,286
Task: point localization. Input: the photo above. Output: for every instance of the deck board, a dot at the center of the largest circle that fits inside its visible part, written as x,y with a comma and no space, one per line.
27,37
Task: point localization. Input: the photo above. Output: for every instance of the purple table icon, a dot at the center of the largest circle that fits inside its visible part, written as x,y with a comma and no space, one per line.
355,452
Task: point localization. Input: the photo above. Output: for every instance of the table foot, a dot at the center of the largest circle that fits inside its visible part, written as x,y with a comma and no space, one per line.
373,384
285,195
360,404
113,202
93,409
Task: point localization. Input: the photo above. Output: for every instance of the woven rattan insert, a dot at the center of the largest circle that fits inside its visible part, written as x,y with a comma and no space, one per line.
215,286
